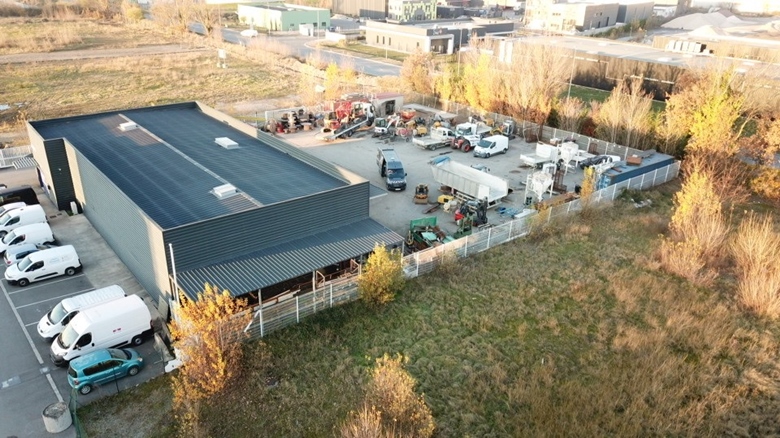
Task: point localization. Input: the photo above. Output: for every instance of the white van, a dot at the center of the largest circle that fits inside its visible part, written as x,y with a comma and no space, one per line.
8,207
44,264
34,233
55,321
108,325
29,214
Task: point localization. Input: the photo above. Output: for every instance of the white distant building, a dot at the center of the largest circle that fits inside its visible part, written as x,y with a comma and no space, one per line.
743,6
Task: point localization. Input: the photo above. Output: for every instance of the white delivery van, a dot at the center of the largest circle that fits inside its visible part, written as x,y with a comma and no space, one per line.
53,322
29,214
8,207
34,233
108,325
43,264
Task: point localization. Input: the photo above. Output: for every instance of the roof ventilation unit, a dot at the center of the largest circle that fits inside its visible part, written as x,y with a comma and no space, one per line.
224,191
226,143
128,126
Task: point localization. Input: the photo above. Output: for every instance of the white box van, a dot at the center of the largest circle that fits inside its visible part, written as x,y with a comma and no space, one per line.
108,325
34,233
55,321
44,264
29,214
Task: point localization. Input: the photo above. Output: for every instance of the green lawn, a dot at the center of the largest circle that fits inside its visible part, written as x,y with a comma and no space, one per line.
573,332
587,94
368,51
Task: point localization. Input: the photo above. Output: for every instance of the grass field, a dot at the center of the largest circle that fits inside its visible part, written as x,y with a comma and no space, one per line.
54,89
575,332
587,95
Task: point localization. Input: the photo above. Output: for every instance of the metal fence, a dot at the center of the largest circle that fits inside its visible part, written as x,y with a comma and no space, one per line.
272,317
9,155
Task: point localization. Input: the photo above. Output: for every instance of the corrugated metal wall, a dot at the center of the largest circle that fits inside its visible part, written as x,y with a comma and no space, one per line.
133,237
231,236
53,162
375,9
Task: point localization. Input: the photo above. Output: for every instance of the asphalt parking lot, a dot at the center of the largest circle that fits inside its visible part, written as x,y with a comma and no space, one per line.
29,382
396,209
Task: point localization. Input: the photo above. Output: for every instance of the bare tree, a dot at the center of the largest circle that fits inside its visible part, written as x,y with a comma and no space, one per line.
571,113
417,72
536,77
637,117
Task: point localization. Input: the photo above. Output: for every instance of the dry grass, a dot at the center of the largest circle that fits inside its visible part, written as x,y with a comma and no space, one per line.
581,338
68,88
756,250
24,35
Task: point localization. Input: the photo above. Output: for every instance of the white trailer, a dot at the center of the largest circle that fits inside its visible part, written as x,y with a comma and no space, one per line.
469,183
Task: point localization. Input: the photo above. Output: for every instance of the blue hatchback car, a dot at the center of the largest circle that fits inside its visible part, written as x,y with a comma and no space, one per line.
103,366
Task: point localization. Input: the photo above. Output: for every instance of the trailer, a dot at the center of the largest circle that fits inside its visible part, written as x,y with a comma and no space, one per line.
468,183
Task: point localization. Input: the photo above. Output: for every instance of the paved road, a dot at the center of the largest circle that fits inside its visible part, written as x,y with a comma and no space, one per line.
303,46
96,53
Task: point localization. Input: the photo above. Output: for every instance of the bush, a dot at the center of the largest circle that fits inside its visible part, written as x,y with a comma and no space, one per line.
382,277
756,251
391,390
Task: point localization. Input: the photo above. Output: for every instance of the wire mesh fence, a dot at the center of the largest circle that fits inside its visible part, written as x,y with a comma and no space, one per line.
270,318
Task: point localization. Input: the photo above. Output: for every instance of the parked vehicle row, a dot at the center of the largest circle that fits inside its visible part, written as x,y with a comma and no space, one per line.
86,330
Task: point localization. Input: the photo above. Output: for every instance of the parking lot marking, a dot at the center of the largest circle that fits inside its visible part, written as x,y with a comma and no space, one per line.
55,298
29,340
26,288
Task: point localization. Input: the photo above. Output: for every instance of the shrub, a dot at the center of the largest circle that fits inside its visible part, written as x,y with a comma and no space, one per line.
382,277
698,230
756,251
391,390
365,423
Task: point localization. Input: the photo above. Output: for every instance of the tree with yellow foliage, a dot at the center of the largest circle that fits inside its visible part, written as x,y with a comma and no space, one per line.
382,276
207,334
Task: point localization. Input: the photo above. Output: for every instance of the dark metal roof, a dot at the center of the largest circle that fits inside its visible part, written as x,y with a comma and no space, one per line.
169,167
289,260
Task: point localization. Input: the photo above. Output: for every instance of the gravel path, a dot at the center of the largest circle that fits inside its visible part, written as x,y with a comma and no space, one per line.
65,55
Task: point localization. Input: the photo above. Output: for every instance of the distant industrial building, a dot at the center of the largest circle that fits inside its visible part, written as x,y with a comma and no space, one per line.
404,11
579,16
186,195
277,16
634,10
373,9
441,36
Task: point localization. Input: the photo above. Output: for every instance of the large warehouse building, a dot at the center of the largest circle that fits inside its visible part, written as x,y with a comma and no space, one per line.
240,212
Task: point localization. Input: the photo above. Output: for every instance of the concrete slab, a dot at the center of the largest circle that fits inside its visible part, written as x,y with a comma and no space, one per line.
396,210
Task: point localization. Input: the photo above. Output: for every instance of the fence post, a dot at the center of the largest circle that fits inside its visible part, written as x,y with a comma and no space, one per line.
488,238
512,222
666,178
262,329
655,176
568,208
466,248
331,295
642,182
314,292
417,264
297,310
549,214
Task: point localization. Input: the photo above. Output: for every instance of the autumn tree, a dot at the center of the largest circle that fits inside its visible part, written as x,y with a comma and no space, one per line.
418,72
710,112
332,82
481,87
571,113
206,334
382,276
534,80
